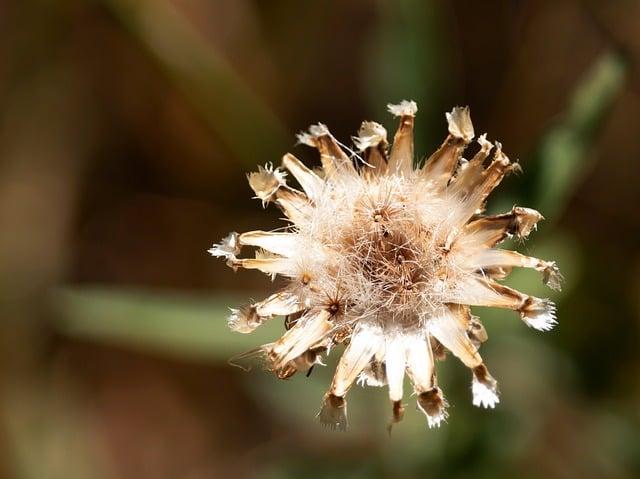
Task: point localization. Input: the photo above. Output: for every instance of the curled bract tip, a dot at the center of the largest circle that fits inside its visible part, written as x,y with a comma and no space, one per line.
460,125
404,108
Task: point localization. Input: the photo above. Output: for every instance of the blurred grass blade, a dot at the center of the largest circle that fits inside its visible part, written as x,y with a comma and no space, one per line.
563,155
179,325
410,59
242,122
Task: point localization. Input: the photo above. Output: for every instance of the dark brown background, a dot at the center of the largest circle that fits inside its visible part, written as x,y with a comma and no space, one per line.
126,130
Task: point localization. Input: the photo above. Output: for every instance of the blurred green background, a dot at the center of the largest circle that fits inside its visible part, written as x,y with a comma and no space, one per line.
126,130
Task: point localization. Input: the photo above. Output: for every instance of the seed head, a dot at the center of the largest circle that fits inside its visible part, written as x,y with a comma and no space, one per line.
387,258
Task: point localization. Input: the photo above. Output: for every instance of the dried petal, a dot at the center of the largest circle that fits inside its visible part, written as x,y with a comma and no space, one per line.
372,143
434,406
227,248
492,258
439,168
279,304
265,182
284,244
306,333
245,319
401,156
450,328
334,161
333,413
395,361
311,183
460,125
374,374
420,364
484,388
363,346
539,314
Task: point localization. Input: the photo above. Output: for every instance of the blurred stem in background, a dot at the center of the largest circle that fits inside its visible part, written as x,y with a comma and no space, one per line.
410,59
563,157
205,79
179,325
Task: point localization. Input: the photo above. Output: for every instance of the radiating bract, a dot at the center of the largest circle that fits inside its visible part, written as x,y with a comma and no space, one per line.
387,258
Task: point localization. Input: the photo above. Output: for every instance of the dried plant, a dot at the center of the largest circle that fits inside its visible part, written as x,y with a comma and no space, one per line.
387,258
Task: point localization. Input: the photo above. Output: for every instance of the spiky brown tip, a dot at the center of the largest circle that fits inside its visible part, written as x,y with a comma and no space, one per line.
333,413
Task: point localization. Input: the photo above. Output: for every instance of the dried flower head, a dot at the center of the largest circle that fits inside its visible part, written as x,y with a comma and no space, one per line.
387,258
